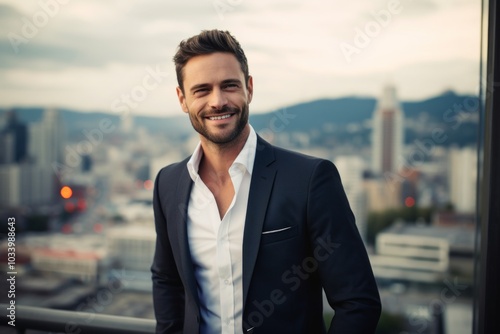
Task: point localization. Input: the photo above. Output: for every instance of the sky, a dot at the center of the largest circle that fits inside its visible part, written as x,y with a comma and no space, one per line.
116,55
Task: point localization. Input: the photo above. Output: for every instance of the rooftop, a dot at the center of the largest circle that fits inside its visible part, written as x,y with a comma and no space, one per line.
459,238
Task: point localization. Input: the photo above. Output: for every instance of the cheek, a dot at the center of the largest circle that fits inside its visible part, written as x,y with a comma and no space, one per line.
240,101
195,106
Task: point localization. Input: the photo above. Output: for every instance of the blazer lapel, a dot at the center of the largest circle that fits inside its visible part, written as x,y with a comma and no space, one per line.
182,201
263,175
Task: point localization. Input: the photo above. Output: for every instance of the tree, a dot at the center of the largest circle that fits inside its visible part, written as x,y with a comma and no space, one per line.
379,221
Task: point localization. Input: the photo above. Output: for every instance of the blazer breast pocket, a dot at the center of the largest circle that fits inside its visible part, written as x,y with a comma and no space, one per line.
270,236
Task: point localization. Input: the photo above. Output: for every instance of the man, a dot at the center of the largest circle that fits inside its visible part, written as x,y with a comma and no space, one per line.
249,234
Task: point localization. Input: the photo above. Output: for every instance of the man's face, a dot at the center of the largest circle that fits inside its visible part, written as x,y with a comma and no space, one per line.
216,96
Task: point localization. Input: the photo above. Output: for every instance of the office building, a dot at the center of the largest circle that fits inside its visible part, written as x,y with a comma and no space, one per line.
25,185
382,194
462,178
423,253
68,256
13,140
388,133
132,246
47,139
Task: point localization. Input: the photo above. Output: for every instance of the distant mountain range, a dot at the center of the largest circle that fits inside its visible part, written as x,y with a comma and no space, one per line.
347,110
75,121
302,117
346,119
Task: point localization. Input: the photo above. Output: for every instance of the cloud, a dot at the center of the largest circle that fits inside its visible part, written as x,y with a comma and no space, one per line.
94,51
7,12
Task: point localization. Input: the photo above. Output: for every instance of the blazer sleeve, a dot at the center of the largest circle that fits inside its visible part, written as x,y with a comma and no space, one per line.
168,290
344,267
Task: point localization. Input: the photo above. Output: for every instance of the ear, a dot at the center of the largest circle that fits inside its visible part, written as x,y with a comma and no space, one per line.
182,99
250,88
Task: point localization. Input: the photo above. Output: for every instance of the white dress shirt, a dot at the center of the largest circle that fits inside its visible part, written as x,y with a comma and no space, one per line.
216,245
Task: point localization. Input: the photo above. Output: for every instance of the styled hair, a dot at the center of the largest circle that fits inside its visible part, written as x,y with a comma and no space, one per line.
207,42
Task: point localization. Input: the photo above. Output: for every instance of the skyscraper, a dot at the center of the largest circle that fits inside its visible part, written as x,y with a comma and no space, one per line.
13,140
47,139
388,133
462,178
26,174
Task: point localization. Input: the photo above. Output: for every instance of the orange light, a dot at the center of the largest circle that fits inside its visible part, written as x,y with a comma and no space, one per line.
148,184
409,202
66,192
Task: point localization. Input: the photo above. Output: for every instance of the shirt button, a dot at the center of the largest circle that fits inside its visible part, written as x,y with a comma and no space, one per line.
227,283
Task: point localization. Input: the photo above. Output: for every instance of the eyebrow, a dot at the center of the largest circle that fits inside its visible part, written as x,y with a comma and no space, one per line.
206,85
229,81
198,86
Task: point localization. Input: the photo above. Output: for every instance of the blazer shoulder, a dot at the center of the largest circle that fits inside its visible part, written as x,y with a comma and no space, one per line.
172,171
268,153
299,159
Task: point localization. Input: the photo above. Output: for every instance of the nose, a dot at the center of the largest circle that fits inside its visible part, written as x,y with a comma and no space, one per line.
217,99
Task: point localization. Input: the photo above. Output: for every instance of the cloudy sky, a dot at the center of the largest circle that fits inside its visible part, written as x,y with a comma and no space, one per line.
113,55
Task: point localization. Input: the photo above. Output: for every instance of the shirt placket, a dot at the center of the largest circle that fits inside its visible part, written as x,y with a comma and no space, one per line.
224,260
225,275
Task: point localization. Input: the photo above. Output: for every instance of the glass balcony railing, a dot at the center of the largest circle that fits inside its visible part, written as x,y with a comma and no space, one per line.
71,322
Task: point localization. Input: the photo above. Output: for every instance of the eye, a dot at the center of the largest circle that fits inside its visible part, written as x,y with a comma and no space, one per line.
200,91
231,86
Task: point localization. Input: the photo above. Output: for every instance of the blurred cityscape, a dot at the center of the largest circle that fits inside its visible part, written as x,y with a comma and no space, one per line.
80,187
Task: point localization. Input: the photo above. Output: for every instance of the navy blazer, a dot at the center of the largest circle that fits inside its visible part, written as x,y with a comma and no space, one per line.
300,237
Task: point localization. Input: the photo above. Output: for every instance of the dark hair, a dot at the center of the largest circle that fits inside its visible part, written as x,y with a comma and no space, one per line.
207,42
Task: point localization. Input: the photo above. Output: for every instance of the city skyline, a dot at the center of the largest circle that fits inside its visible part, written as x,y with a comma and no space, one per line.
90,56
99,240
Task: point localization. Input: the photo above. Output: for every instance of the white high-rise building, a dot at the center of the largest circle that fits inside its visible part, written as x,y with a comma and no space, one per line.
351,172
47,139
66,255
133,246
10,192
412,253
25,185
33,181
462,178
46,149
388,133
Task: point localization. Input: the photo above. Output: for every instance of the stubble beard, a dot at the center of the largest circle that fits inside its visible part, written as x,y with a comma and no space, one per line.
222,139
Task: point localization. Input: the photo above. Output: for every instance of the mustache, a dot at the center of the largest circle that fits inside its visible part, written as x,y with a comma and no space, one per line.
223,110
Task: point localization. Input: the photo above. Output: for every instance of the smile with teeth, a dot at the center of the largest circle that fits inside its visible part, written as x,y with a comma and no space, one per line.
216,118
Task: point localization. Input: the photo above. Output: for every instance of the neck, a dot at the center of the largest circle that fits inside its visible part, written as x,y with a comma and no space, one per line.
219,158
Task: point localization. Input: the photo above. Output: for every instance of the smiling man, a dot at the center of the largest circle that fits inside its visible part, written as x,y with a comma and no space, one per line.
248,234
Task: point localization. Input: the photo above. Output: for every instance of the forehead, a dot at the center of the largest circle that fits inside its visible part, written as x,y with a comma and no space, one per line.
211,68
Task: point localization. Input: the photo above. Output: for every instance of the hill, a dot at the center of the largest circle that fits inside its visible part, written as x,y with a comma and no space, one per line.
325,115
342,111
